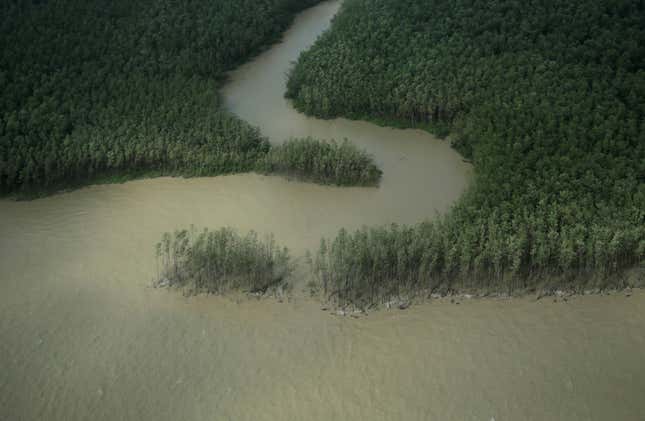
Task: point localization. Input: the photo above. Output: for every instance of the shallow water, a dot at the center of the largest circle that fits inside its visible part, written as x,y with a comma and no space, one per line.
83,336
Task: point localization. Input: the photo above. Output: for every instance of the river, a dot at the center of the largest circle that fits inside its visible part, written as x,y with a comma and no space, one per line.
84,336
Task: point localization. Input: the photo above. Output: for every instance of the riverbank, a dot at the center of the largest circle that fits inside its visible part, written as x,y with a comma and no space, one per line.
634,283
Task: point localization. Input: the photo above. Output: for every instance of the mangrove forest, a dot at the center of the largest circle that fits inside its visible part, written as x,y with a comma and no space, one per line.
548,101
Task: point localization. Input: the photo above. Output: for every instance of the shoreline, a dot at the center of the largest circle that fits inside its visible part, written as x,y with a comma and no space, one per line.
289,294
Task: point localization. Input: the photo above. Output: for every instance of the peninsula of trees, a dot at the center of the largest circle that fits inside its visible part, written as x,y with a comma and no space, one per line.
341,164
99,89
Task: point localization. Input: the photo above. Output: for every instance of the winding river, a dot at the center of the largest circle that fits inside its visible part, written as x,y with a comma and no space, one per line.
83,336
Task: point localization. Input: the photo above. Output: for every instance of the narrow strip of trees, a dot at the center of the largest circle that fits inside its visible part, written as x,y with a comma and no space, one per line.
341,164
376,264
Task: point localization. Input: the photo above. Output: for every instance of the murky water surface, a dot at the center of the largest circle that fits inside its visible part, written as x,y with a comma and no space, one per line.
83,336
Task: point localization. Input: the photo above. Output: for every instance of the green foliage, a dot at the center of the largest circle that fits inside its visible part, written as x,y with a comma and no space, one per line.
321,162
375,264
547,98
220,261
94,89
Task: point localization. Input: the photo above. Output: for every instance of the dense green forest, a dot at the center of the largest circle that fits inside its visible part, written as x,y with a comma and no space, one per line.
341,164
99,88
221,260
548,100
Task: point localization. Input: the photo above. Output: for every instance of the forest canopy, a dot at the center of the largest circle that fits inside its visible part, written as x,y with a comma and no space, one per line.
548,100
101,88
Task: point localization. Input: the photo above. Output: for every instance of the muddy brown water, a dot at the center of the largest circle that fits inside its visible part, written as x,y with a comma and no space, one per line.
83,336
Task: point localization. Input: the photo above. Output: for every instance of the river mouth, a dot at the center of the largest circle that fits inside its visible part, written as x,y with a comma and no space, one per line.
84,336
